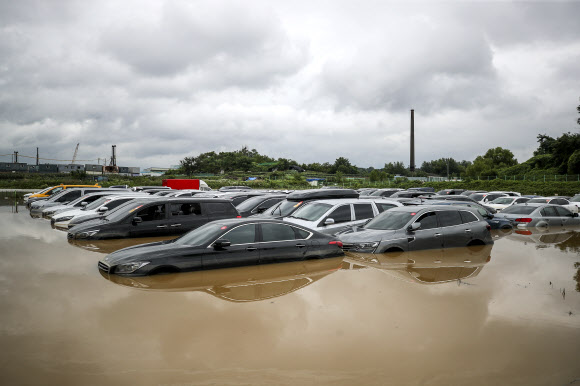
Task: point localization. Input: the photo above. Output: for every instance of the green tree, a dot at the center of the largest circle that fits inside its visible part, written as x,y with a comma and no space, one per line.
574,163
397,168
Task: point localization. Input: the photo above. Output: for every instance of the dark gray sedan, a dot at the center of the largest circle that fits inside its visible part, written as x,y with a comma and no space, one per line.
539,215
419,227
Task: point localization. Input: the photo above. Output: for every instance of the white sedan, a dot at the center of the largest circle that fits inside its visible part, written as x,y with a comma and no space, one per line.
503,202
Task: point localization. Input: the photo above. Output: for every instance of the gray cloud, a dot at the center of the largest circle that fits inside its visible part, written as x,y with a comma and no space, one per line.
313,82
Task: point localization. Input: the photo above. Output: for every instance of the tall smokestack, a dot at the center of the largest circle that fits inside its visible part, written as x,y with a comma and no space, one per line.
412,166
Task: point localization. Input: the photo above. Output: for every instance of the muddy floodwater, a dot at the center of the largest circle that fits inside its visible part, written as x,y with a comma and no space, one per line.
507,314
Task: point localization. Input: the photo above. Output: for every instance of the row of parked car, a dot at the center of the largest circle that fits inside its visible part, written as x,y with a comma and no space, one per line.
239,226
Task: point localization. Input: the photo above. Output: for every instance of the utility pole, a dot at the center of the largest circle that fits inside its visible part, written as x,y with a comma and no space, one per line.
447,169
15,157
412,166
36,156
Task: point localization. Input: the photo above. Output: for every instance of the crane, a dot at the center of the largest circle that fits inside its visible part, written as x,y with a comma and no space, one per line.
74,158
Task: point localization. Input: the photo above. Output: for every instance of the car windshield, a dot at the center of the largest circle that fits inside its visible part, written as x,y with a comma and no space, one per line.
203,235
519,209
503,200
390,220
477,196
539,201
95,204
250,203
284,208
122,210
311,212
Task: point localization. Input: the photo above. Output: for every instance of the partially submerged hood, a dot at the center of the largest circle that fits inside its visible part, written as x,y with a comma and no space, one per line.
363,235
147,252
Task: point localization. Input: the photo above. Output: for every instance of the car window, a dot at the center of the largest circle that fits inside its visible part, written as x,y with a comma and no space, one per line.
521,200
539,201
301,233
152,213
562,212
576,198
71,195
115,203
185,209
363,211
549,211
341,214
245,234
467,217
449,218
219,208
381,206
560,201
311,212
277,232
390,220
238,200
428,221
519,209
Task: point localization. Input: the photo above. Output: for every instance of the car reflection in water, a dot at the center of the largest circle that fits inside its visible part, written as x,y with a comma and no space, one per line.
433,266
112,245
544,237
243,284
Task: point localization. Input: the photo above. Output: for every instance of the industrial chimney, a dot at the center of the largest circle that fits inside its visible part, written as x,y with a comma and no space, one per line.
412,166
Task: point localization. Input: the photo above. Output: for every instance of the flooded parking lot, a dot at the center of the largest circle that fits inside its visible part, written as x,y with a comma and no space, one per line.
502,314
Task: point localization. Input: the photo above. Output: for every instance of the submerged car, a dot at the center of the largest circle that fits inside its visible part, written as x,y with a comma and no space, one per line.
501,203
539,215
555,201
155,217
412,228
223,244
298,198
259,204
332,216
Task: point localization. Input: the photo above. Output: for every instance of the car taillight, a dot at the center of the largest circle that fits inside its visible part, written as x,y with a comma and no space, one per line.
520,232
523,219
238,216
488,227
339,243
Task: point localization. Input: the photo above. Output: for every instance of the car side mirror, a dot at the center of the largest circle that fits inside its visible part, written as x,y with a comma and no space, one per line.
329,221
84,203
102,209
489,216
137,220
261,209
221,243
414,226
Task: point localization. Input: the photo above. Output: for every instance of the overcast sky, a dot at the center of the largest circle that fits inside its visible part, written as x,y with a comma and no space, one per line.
307,80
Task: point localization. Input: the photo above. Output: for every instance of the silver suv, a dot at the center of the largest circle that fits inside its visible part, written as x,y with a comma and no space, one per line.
335,215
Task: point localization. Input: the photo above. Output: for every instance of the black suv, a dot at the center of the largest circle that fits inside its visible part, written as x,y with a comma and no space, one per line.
158,217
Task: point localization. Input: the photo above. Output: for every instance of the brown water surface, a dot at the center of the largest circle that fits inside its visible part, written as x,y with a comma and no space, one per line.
502,314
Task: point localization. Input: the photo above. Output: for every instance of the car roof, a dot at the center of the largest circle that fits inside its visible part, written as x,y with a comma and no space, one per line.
336,201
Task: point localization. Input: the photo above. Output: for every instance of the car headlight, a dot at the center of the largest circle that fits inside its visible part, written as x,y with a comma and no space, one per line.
66,218
130,267
367,247
85,235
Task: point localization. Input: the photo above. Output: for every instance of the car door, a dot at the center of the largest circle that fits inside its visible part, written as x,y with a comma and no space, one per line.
429,235
153,221
279,243
243,249
550,216
566,217
185,216
342,216
455,233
